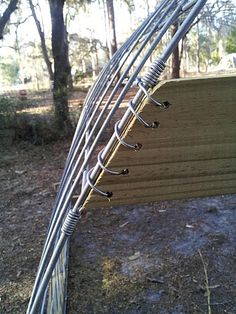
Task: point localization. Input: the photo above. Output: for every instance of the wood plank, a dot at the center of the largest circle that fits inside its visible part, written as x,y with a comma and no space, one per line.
168,190
142,199
150,155
193,153
164,190
168,170
165,134
182,141
138,185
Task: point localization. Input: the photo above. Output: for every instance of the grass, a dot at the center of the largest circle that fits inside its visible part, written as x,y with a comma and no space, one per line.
207,287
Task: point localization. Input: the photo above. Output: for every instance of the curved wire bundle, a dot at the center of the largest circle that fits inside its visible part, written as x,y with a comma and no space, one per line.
98,111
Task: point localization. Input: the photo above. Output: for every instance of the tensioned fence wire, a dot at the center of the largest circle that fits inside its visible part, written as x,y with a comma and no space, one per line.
101,104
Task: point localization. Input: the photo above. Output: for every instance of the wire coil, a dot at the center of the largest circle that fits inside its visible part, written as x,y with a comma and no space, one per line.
136,146
70,222
100,162
106,194
151,78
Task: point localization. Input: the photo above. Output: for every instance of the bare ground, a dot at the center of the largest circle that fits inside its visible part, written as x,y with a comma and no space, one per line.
27,173
152,258
167,257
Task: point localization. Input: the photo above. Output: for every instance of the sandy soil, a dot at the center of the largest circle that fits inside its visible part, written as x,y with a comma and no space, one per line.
27,174
167,257
152,258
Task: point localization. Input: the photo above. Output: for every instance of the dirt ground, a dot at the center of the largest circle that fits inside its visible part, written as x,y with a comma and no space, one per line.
27,174
168,257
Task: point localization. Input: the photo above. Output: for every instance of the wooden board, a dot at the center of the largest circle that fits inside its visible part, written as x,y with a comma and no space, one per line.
193,153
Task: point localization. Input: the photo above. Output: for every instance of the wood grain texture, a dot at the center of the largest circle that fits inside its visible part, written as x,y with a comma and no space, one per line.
191,154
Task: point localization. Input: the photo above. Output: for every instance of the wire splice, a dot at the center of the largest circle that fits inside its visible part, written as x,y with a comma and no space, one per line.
156,68
71,220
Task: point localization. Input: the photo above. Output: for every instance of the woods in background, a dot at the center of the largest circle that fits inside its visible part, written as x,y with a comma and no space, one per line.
83,35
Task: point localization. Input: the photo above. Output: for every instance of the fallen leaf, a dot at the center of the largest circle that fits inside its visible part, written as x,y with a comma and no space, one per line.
155,280
20,172
124,224
214,286
135,256
189,226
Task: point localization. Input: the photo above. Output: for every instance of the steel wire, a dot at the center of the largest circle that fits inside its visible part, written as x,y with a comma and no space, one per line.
84,134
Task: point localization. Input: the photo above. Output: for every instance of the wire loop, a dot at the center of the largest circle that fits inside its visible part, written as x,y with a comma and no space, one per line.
162,105
153,125
100,162
106,194
136,146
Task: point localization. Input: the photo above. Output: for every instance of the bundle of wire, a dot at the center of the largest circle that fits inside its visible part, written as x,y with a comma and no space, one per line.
101,104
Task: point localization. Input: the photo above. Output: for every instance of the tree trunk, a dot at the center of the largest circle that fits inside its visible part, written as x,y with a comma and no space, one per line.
175,73
198,50
84,68
6,16
42,40
61,66
111,27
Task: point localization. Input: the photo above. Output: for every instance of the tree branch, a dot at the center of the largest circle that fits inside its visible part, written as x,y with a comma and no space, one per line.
18,23
6,16
42,40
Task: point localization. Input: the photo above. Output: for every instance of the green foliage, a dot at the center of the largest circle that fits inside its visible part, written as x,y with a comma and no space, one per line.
215,57
231,41
8,105
8,108
9,72
204,43
79,76
36,128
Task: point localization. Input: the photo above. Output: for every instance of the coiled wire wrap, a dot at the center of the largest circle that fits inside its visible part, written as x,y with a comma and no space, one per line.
122,172
71,220
106,194
136,146
151,78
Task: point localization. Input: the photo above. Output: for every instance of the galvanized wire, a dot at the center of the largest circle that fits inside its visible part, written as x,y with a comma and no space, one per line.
106,78
50,285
